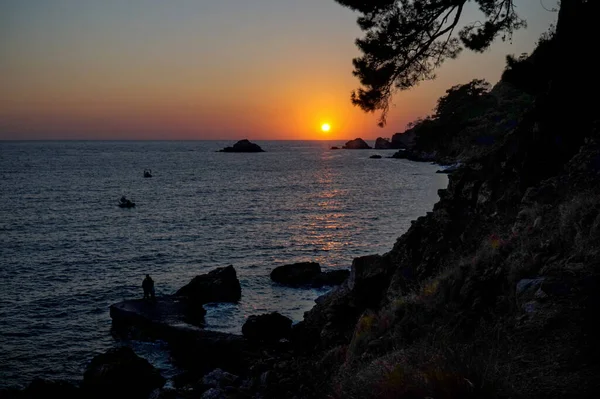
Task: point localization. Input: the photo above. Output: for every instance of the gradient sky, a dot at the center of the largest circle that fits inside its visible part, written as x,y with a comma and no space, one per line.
199,69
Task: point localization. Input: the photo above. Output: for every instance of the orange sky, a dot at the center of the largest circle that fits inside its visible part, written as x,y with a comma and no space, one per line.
149,69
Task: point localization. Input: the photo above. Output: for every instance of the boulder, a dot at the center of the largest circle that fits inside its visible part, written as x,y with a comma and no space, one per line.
200,352
369,278
302,273
356,144
382,144
219,285
120,373
243,146
330,322
269,327
334,277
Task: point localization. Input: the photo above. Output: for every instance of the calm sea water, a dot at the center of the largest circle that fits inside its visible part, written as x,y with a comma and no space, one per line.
67,252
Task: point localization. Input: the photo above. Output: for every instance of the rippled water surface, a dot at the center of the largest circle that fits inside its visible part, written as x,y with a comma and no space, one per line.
67,252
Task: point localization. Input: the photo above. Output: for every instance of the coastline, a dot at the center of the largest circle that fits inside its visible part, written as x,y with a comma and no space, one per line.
117,289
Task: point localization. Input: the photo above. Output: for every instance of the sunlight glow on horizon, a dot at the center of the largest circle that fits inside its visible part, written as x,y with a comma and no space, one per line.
149,69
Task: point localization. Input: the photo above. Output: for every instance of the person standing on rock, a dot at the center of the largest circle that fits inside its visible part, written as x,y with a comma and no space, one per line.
148,286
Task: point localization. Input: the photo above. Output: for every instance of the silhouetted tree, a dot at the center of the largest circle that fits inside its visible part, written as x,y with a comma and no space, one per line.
454,112
532,73
406,40
463,101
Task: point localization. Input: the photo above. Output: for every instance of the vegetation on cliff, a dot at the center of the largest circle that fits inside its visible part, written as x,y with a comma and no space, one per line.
493,294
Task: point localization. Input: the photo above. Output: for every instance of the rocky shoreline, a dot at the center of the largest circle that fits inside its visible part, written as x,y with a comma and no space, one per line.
492,294
497,255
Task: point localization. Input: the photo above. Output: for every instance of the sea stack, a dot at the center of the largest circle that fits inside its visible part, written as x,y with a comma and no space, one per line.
357,144
243,146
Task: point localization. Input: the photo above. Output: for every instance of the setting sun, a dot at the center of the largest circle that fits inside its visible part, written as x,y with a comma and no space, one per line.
325,127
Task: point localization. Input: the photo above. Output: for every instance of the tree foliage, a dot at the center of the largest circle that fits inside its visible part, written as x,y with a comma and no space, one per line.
454,113
532,73
460,100
406,40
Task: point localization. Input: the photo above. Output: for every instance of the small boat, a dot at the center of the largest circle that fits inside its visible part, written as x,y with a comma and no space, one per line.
125,203
147,173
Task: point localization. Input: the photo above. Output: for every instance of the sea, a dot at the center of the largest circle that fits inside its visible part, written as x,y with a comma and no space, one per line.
67,251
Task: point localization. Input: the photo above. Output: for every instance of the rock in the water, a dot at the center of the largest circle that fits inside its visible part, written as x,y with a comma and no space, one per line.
121,373
243,146
158,315
356,144
307,274
302,273
268,327
382,144
219,285
375,157
334,277
335,148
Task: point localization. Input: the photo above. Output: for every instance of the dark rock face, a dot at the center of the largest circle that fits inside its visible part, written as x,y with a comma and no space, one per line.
121,373
368,279
296,274
404,140
219,285
243,146
268,327
329,322
203,351
382,144
307,274
415,156
334,277
220,379
356,144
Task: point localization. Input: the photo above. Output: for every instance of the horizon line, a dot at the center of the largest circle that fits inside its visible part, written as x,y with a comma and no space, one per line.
45,140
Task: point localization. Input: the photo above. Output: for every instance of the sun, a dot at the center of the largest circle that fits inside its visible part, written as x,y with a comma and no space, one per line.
326,127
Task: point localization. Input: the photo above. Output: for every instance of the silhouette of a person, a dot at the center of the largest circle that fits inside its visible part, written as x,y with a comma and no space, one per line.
148,286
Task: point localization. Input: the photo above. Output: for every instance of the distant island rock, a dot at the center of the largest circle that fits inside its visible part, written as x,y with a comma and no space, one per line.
243,146
357,144
382,144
